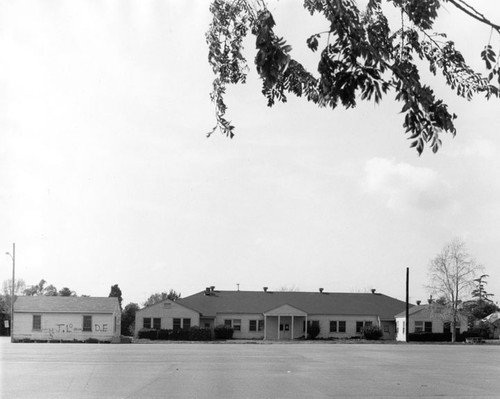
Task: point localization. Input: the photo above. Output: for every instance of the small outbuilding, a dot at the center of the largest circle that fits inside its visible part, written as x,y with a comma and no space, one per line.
494,321
66,319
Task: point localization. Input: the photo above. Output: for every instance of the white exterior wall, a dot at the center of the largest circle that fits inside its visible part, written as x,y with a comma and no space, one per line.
272,327
245,332
436,319
167,311
66,327
324,325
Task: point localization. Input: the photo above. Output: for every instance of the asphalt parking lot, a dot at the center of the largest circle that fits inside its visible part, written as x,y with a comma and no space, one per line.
237,370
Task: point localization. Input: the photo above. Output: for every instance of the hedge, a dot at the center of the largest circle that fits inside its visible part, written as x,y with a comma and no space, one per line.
193,334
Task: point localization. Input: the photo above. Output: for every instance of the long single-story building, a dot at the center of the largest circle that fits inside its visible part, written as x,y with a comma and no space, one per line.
66,318
275,315
429,318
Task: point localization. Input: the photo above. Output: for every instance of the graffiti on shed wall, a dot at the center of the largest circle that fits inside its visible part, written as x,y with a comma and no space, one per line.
69,328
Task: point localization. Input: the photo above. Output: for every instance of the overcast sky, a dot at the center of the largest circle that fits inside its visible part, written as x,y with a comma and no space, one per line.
107,176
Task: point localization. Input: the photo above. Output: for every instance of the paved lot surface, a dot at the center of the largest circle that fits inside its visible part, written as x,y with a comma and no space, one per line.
248,371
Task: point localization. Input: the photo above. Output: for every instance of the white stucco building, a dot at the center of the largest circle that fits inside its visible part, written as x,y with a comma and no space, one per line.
59,318
275,315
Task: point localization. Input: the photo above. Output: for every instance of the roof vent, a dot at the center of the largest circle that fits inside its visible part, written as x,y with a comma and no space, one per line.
265,289
321,290
207,291
419,302
373,290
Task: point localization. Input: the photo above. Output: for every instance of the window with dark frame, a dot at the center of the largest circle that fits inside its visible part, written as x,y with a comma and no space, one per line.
37,322
419,326
237,324
260,326
228,323
186,324
176,324
87,323
157,323
333,326
252,325
428,326
359,326
341,326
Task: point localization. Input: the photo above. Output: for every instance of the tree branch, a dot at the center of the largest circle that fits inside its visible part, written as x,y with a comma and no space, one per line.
470,11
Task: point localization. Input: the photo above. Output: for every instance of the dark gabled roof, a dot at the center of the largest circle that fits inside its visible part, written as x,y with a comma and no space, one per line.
412,310
65,304
313,303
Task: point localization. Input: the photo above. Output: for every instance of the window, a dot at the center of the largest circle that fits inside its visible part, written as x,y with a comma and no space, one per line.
87,323
368,323
333,326
177,324
37,322
447,327
186,324
228,323
157,323
419,326
386,328
428,326
167,305
252,325
260,325
237,325
359,326
342,326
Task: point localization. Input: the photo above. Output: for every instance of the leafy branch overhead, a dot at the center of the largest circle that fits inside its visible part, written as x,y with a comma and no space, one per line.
360,58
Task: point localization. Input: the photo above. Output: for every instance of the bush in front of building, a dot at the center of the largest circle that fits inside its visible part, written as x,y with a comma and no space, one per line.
148,333
312,331
223,332
481,330
372,333
193,334
435,337
199,334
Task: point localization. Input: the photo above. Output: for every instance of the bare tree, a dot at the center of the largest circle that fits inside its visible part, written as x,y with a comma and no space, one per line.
451,275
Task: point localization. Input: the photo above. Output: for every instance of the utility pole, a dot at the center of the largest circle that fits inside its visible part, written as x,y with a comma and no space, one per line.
13,256
407,331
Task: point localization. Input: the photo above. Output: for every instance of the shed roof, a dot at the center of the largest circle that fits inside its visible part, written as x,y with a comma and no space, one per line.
325,303
65,304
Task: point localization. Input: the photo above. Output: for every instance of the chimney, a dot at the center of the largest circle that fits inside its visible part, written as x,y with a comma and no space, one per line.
419,302
207,291
265,289
373,290
321,290
212,288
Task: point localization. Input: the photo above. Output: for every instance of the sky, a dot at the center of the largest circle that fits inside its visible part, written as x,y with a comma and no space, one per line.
107,176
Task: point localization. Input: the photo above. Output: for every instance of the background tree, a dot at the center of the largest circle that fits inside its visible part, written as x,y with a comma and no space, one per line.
160,296
51,290
451,275
37,289
479,292
65,291
117,293
128,319
363,56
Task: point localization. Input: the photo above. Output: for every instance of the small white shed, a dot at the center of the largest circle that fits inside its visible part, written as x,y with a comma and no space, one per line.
66,319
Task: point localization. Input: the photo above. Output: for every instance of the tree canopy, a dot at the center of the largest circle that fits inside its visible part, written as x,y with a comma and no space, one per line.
160,296
360,57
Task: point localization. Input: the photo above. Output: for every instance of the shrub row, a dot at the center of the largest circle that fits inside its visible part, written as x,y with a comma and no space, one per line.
193,334
435,337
